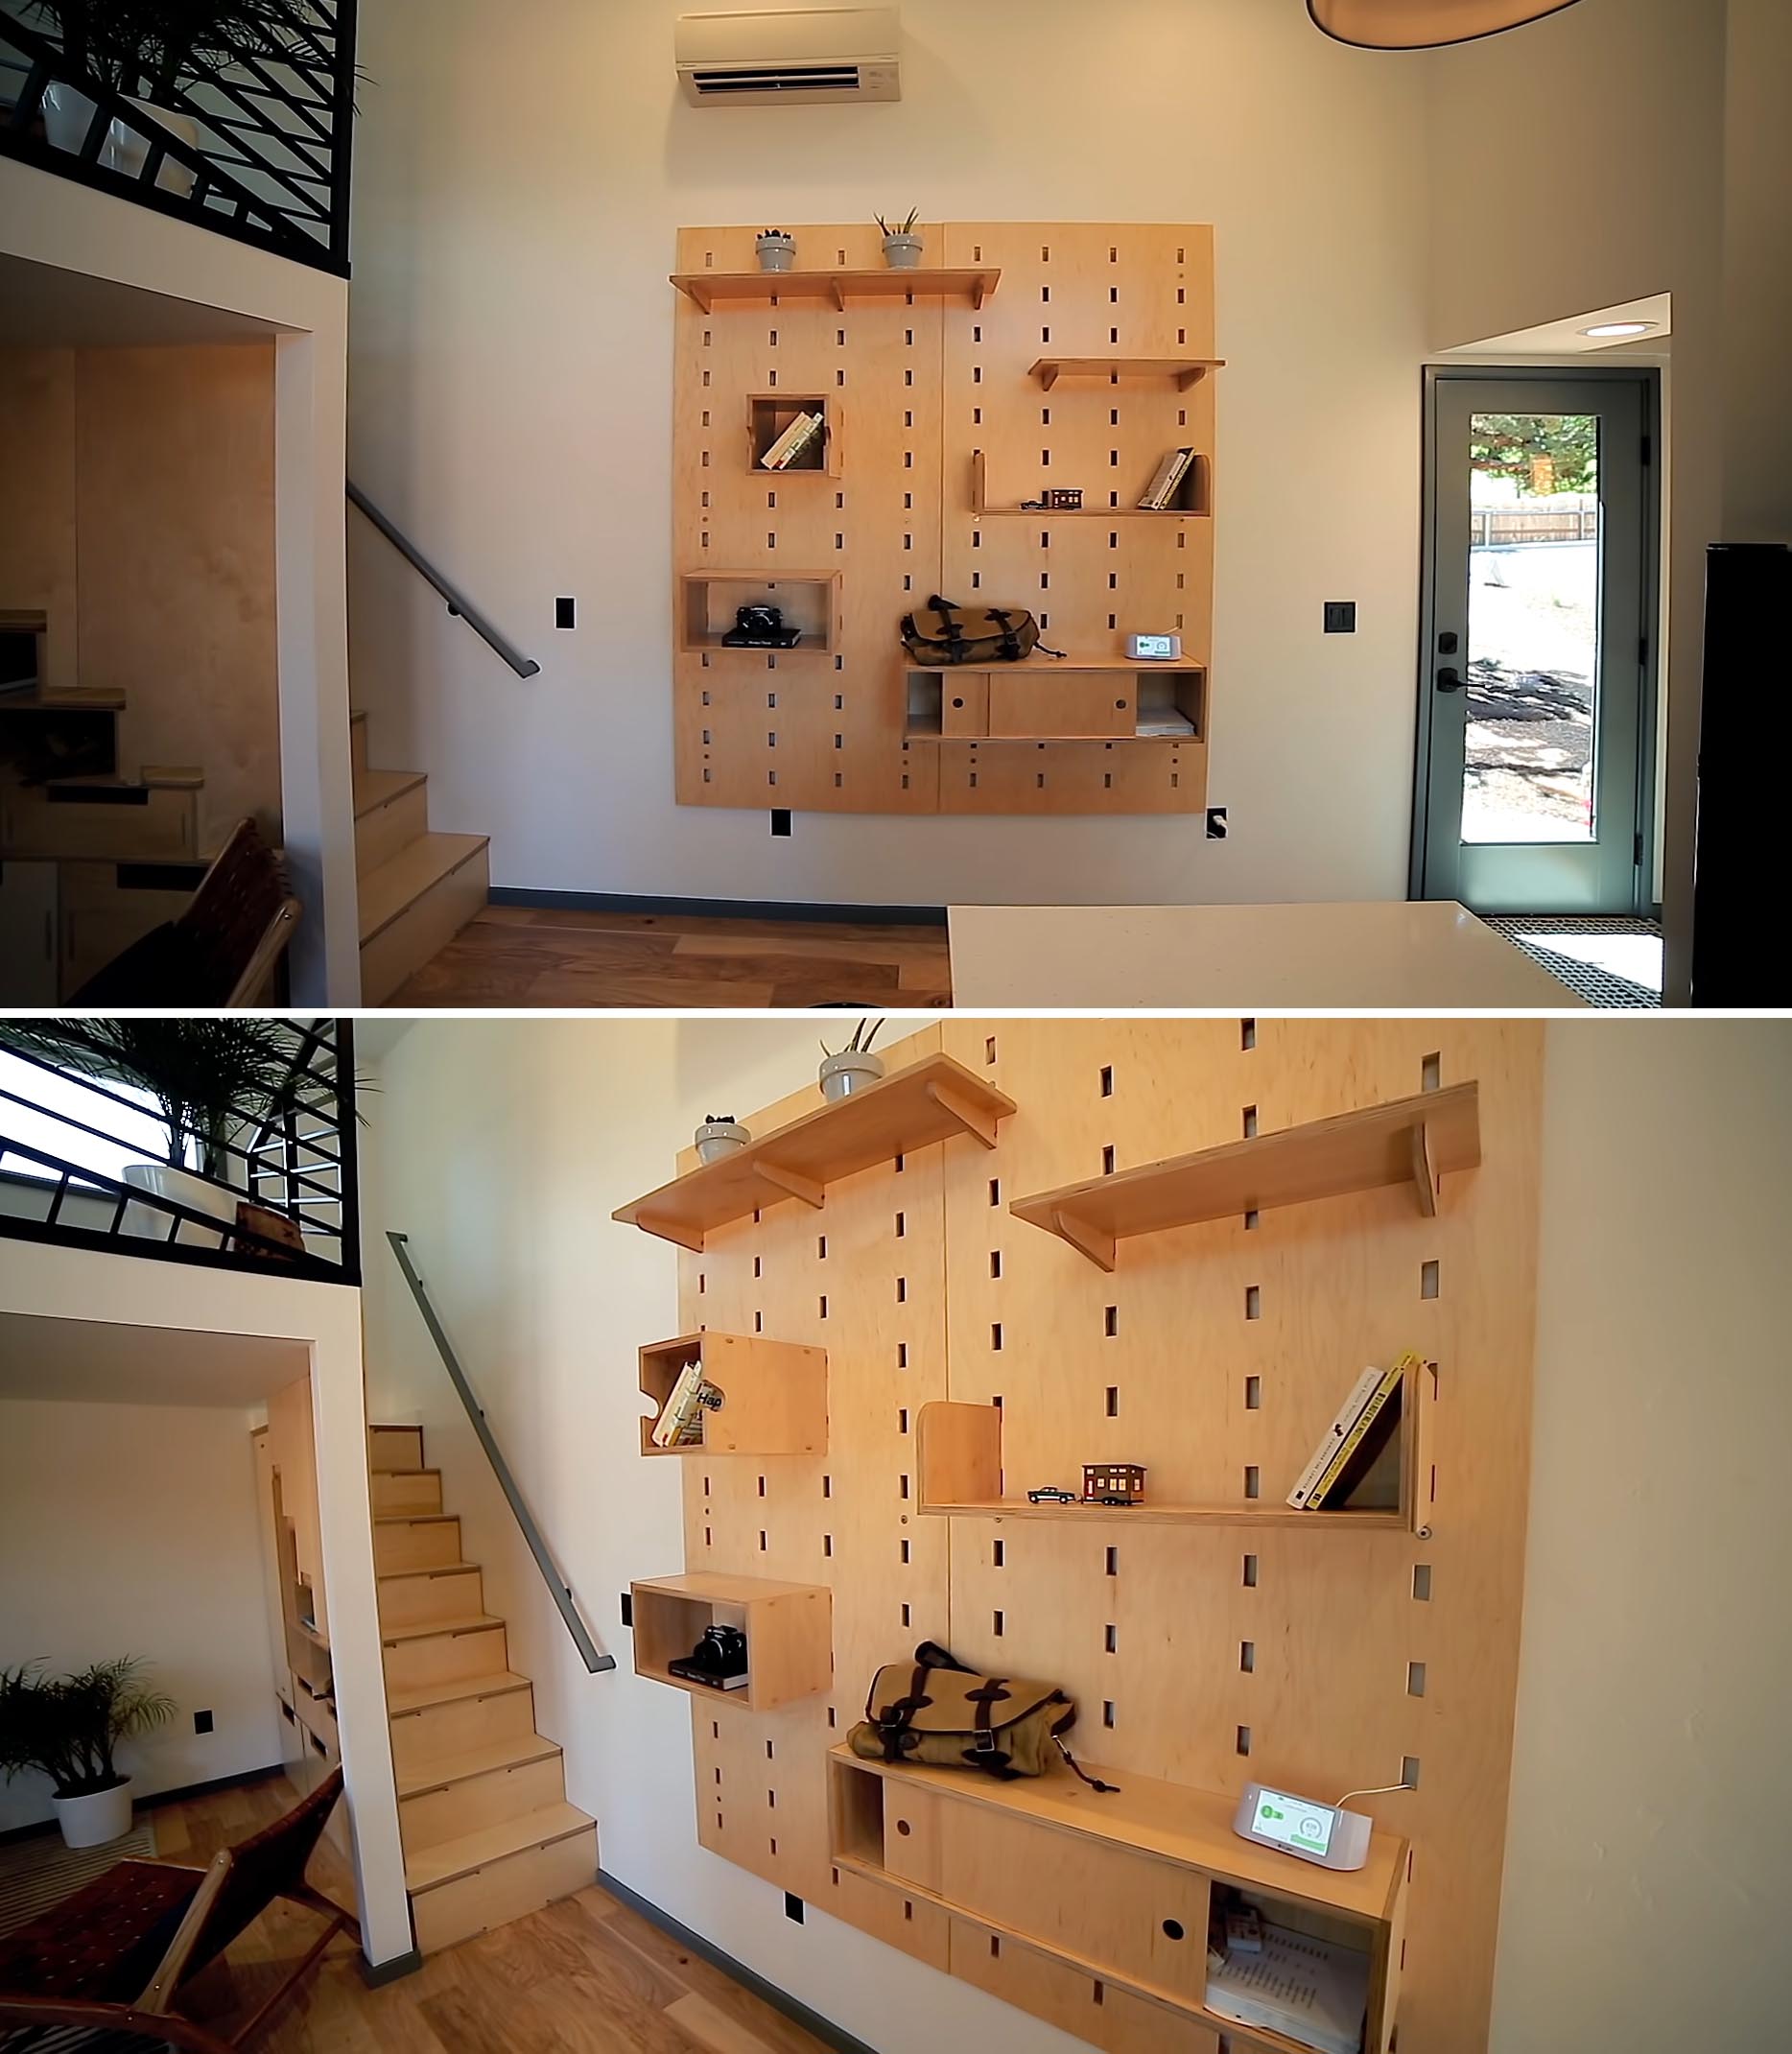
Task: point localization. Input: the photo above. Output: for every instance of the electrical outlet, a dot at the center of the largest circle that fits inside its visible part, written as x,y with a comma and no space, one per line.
201,1722
792,1906
1216,823
780,821
628,1608
1340,616
565,613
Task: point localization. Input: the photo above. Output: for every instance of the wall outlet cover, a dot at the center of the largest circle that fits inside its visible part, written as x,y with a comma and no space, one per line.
1216,823
565,613
201,1722
780,821
1340,616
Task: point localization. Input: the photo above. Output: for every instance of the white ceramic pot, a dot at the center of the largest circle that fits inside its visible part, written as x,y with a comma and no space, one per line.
776,252
717,1138
198,1194
844,1074
93,1821
66,116
125,149
902,253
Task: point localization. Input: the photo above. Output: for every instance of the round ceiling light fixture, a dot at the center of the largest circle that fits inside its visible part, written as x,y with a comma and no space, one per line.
1614,331
1423,24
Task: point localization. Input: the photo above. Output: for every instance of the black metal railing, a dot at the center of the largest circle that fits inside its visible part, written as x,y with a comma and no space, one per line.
457,602
281,1185
261,151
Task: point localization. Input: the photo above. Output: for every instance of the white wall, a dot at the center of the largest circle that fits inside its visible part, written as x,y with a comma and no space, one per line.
1656,1657
516,201
130,1529
1647,1861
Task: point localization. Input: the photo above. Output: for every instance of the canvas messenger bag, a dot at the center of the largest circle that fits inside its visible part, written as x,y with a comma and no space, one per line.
941,636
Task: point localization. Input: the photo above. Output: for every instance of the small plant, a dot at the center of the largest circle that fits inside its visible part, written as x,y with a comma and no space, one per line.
149,46
863,1035
905,226
67,1727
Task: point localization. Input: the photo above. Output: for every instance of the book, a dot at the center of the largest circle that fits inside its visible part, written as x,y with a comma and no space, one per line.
1348,1414
1358,1452
680,1408
1311,1991
792,443
1164,484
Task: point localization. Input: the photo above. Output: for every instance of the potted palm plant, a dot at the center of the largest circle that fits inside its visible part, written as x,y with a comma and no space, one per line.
68,1728
147,49
208,1075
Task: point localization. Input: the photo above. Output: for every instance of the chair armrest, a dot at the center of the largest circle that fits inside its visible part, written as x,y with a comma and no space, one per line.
161,1994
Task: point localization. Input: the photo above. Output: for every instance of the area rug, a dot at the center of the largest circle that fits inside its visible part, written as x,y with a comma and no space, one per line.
40,1871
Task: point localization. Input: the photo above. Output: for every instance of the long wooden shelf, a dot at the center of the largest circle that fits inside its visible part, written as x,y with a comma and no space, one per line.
1410,1141
708,290
1185,371
959,1476
929,1101
1198,483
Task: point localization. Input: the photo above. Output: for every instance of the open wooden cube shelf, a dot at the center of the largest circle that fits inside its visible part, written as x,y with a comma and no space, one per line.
770,413
774,1394
709,601
1114,1886
789,1629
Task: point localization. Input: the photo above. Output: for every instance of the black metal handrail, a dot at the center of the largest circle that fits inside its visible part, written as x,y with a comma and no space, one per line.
274,160
558,1588
458,605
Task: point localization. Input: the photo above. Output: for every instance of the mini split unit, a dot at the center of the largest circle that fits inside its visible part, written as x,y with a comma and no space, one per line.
827,54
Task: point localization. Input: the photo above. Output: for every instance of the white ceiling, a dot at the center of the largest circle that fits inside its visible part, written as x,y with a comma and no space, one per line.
1565,338
43,307
88,1361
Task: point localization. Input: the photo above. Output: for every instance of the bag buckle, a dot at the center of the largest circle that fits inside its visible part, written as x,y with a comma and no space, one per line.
985,1742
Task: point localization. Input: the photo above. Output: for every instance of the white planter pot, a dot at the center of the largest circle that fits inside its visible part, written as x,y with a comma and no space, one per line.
66,117
844,1074
717,1138
93,1821
198,1194
125,149
902,253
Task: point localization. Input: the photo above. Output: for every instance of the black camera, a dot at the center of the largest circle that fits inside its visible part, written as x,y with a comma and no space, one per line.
719,1659
760,627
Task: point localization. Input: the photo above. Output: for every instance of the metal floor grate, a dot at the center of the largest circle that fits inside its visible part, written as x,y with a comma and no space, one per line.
1592,982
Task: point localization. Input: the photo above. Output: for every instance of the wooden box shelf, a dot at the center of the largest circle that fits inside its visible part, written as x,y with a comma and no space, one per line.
708,601
789,1628
960,1477
1038,700
709,290
928,1101
1115,1886
1182,372
1410,1141
774,1394
770,413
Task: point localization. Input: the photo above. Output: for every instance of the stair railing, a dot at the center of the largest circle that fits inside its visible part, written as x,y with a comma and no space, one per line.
558,1588
458,605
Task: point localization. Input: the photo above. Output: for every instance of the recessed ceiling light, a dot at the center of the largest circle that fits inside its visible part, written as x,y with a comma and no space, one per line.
1608,331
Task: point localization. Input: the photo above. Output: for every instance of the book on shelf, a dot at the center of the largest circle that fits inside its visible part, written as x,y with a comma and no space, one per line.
1311,1991
792,443
1367,1441
1167,481
682,1409
1348,1414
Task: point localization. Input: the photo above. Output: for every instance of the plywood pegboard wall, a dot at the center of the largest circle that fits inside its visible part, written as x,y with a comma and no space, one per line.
1338,1660
934,402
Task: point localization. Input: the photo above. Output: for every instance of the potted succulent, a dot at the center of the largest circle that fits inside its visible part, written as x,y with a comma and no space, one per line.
148,50
855,1068
208,1075
719,1135
777,251
902,246
68,1728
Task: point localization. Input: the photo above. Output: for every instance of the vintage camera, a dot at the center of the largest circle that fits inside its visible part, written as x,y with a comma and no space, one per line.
719,1659
760,627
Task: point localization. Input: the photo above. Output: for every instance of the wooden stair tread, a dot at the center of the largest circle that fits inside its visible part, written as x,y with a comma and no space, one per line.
471,1761
374,789
432,1629
63,698
425,1697
433,1866
412,1519
398,884
435,1569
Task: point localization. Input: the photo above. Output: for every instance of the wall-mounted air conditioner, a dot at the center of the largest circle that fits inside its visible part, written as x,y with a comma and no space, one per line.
823,54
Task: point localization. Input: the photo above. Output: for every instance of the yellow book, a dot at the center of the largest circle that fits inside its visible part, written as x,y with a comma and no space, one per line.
1347,1448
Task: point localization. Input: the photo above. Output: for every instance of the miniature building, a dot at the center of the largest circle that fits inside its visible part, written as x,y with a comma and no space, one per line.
1123,1481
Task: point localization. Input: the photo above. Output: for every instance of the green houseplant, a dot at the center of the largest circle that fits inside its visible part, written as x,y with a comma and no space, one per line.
207,1074
68,1729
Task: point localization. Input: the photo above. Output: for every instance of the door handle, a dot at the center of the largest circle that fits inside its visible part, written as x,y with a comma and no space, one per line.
1449,680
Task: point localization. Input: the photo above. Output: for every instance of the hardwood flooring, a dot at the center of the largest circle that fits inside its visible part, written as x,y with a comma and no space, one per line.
587,1975
524,956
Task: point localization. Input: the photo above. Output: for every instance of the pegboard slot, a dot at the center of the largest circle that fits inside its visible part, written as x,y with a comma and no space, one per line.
774,1395
932,1100
1357,1151
789,1629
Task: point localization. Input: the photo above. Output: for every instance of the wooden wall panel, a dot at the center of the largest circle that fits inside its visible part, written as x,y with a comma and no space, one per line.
38,499
1226,1346
914,390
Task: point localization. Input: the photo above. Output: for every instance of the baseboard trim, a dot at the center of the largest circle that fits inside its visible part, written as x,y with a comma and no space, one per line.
803,911
155,1802
799,2013
376,1974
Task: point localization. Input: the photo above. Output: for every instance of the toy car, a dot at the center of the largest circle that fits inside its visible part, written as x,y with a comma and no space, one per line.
1051,1495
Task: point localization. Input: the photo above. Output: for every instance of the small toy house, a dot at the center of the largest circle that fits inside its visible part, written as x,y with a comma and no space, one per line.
1113,1483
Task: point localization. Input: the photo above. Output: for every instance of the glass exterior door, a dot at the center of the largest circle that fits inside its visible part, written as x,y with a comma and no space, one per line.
1531,791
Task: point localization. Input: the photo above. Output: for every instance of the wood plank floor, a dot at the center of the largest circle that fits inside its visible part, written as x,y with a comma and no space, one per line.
526,955
587,1975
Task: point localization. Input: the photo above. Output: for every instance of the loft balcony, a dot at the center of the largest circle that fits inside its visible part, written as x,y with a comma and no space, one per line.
256,148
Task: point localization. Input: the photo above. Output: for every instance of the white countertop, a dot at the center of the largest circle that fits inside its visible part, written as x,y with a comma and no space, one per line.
1385,955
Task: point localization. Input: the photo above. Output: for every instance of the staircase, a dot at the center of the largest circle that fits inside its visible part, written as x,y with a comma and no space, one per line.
418,889
487,1832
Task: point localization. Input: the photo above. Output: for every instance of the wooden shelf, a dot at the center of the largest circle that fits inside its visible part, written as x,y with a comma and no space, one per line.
1194,501
774,1394
1182,371
789,1628
1411,1141
709,290
1115,1885
929,1101
708,601
958,1461
1039,701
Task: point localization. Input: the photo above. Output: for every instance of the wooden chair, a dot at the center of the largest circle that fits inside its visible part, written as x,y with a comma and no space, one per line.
113,1956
